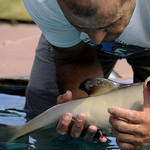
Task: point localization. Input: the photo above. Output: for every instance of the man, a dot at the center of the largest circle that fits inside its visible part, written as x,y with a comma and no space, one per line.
75,46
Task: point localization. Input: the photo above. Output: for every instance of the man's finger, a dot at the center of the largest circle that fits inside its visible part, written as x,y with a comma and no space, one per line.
78,125
125,127
62,126
89,135
64,97
125,114
125,145
146,93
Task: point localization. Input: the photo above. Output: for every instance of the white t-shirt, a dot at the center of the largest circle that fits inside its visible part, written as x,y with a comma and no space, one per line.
59,32
50,19
138,30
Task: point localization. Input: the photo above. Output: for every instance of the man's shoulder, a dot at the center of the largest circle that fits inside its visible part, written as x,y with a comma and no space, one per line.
44,9
50,19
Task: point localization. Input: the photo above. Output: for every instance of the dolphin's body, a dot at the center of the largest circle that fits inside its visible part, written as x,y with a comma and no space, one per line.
95,108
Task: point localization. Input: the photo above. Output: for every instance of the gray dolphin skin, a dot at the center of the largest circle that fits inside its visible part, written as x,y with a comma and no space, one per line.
104,93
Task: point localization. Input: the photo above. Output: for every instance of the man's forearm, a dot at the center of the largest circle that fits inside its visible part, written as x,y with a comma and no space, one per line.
72,71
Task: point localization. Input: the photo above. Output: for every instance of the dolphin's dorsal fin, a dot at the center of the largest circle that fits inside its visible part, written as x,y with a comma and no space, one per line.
96,86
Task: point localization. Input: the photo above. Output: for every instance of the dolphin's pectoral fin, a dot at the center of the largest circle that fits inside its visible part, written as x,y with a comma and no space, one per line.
96,86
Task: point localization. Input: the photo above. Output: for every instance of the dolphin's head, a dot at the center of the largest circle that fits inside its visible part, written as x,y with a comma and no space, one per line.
97,86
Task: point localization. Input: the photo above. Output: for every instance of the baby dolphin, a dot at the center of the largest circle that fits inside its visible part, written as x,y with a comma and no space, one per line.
103,93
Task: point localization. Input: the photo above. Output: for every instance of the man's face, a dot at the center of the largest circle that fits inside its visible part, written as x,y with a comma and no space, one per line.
107,24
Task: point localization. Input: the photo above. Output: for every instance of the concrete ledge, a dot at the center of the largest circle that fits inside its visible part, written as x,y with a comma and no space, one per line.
13,86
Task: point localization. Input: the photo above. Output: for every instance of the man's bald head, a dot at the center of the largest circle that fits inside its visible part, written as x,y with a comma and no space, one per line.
100,19
83,8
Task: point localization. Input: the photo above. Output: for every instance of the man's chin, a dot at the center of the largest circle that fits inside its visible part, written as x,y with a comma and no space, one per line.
111,39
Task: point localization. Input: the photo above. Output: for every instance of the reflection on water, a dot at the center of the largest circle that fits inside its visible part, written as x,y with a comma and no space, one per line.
11,112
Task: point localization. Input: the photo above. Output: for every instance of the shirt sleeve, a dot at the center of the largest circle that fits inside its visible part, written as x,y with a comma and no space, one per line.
50,19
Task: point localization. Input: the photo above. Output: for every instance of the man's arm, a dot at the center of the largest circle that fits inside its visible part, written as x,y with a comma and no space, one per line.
74,65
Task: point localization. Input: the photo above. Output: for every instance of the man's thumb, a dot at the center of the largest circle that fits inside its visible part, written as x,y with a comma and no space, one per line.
146,94
66,97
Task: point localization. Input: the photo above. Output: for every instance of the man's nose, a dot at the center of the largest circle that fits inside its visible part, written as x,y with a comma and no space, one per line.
97,35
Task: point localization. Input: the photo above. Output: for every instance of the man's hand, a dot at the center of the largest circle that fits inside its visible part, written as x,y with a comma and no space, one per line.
135,131
78,125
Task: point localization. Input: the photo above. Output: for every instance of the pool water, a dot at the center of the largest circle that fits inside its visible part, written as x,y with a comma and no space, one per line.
12,113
